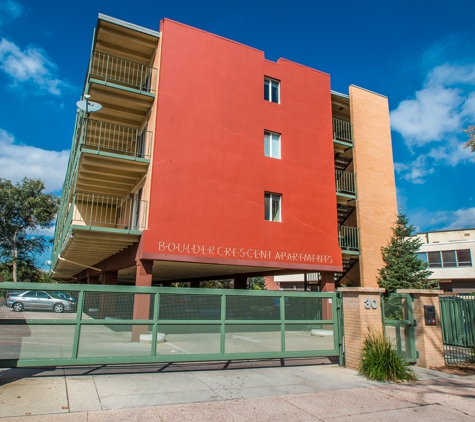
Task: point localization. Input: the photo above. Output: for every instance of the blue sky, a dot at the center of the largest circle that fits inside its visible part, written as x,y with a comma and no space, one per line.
418,53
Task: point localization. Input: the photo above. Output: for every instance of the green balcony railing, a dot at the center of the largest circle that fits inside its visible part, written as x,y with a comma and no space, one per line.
342,131
349,238
108,137
108,211
123,72
345,182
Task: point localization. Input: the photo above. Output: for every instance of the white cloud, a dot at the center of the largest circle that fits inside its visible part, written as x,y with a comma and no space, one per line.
462,219
444,105
9,10
18,161
451,153
30,65
416,171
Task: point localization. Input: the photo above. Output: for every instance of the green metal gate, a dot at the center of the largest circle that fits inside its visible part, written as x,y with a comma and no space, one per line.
457,314
124,324
399,323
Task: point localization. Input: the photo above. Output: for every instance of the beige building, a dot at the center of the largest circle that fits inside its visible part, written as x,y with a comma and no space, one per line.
449,254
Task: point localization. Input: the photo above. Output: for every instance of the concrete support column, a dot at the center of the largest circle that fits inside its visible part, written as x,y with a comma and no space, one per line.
429,341
143,278
195,284
357,318
240,282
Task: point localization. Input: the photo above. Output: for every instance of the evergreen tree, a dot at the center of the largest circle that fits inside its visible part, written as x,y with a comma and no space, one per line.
402,268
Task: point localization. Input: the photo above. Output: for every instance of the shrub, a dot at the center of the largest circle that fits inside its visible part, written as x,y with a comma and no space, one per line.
380,362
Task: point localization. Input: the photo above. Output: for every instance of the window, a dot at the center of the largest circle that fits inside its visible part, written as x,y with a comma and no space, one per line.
272,205
463,258
434,259
271,144
448,259
272,90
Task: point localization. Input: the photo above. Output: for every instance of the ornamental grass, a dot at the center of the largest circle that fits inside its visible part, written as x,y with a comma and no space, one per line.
380,362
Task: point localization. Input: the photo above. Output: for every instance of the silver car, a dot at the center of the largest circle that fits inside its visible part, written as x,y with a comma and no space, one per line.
38,301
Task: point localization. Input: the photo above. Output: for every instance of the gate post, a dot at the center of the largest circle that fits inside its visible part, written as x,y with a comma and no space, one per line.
429,341
361,310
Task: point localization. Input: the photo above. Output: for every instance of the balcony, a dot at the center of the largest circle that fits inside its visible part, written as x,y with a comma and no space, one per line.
103,137
345,183
342,131
110,158
95,227
124,73
349,239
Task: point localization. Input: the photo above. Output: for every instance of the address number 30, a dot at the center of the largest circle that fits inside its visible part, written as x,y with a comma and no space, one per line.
368,304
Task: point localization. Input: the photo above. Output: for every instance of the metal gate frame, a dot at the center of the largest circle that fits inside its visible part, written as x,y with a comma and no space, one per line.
78,322
404,326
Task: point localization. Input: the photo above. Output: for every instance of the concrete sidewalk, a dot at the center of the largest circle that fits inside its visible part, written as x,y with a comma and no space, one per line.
236,391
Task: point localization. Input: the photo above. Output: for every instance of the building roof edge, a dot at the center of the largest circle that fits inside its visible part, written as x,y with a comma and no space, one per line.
129,25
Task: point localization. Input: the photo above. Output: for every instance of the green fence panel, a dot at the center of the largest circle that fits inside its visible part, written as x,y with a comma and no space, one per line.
71,324
457,314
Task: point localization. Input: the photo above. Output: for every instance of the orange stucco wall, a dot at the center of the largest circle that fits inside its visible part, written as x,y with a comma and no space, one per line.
209,172
373,161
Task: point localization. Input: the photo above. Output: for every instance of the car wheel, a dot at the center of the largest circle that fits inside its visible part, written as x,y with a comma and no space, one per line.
58,308
17,306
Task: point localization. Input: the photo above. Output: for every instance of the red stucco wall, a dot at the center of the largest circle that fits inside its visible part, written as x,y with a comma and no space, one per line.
209,172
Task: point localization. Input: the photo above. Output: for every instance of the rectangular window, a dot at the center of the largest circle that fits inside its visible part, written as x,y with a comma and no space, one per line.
272,90
434,259
448,259
463,258
272,206
271,144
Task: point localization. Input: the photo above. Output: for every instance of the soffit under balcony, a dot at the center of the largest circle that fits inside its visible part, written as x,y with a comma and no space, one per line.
120,106
108,176
125,42
340,107
85,248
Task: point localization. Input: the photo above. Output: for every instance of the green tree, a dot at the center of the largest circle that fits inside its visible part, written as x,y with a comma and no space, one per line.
471,138
24,209
402,268
256,283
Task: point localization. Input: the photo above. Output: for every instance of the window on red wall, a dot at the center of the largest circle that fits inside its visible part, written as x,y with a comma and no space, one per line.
272,90
272,206
271,144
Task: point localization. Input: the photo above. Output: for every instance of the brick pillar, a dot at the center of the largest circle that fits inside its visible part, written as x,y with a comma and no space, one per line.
429,341
143,278
357,318
240,282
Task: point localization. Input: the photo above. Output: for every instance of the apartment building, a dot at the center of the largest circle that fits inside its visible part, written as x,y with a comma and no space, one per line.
449,254
199,159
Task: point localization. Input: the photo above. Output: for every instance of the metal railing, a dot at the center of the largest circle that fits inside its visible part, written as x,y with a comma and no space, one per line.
108,211
100,324
124,72
342,131
109,137
345,182
349,238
